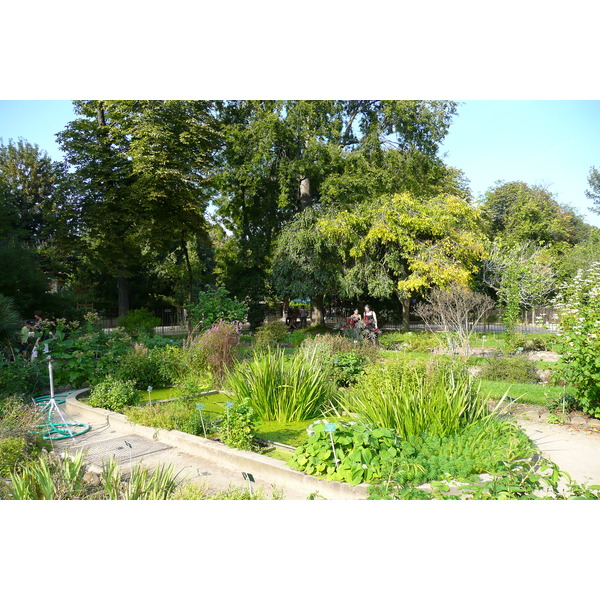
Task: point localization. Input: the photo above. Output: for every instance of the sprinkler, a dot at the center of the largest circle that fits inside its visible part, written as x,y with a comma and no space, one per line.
52,430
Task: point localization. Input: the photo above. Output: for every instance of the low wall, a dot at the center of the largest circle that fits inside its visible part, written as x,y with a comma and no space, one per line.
271,469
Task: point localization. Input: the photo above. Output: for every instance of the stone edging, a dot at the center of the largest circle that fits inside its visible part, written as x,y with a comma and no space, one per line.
266,467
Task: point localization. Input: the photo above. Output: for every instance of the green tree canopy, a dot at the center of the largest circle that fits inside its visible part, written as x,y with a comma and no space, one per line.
141,170
36,219
305,262
282,157
404,245
517,212
593,193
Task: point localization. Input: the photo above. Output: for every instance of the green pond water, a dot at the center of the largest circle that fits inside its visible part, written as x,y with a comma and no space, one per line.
291,434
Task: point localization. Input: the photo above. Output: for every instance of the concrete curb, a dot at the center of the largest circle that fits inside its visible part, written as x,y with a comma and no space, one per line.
265,467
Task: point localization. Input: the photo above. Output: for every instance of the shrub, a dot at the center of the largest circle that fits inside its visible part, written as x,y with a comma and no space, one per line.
194,384
194,359
17,416
22,376
359,333
516,369
455,311
270,334
348,366
220,345
331,345
238,426
139,321
281,388
340,356
113,394
172,364
186,367
213,306
13,450
578,304
179,414
141,367
83,353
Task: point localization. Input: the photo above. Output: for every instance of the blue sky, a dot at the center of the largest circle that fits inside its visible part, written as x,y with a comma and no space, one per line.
547,142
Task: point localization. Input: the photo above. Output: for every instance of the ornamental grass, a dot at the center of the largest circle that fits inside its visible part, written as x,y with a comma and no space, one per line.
282,388
413,398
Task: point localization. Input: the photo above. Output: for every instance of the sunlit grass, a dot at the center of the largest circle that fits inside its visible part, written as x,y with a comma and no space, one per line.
524,393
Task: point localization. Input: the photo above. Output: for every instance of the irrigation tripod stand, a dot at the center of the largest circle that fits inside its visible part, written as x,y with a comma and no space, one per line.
54,429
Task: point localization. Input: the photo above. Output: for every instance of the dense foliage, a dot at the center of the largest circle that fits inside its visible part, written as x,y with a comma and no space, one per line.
579,306
413,397
222,210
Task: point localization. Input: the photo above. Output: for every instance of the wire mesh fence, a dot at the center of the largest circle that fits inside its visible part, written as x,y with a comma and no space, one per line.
539,320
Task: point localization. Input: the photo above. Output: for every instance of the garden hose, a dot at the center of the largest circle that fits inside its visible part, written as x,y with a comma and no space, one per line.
51,430
61,431
58,398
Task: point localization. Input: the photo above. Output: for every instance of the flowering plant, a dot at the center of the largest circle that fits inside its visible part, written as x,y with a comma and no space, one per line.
578,305
359,332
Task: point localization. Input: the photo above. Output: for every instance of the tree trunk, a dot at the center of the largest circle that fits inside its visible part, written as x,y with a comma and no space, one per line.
405,313
286,307
100,114
305,199
123,292
189,269
318,310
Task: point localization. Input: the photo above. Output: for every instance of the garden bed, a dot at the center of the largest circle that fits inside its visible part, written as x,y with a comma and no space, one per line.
266,467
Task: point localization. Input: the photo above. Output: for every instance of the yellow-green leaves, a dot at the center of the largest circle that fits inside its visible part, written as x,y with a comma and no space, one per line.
418,242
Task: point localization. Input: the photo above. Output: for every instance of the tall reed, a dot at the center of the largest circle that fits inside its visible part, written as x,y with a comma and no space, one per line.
282,388
413,399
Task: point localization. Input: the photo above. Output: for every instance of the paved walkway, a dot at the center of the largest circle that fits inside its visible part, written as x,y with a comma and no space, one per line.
197,460
104,441
575,451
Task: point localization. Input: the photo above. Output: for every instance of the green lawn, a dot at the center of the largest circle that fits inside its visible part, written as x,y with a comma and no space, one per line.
524,393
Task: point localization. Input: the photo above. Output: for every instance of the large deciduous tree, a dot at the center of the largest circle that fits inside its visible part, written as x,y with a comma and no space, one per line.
142,174
283,157
516,212
404,245
36,217
522,274
305,263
